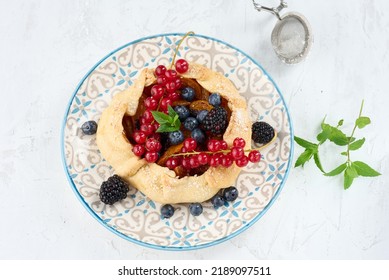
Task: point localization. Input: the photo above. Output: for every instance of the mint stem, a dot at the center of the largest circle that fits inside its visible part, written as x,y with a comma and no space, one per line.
352,134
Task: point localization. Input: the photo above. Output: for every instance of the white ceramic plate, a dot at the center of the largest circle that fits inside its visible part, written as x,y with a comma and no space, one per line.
137,218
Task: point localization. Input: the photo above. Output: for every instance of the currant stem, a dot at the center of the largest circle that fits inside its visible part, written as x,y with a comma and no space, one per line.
229,150
178,47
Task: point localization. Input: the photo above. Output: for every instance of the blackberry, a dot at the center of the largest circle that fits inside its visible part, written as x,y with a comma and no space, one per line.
113,190
216,121
262,133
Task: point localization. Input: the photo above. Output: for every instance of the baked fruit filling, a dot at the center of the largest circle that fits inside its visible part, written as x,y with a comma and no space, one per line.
203,117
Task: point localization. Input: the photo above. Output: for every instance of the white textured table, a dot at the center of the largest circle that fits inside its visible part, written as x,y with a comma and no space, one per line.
47,46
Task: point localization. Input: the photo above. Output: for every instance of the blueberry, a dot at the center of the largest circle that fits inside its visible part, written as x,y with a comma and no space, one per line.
182,112
196,209
217,201
230,194
176,137
89,127
167,211
191,123
198,135
201,115
188,93
215,99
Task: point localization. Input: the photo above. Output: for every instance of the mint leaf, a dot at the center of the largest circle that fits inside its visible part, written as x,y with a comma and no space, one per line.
351,139
160,117
338,137
337,170
357,144
305,144
343,153
166,128
176,122
361,122
340,123
324,134
303,158
364,170
333,134
171,111
349,175
168,123
317,161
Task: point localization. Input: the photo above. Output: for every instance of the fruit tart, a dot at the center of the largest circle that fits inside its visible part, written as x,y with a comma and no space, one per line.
178,135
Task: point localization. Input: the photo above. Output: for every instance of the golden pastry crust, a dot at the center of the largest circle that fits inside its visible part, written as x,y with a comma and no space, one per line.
159,183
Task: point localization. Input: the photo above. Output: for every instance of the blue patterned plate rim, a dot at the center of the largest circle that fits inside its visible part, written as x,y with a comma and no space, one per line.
170,248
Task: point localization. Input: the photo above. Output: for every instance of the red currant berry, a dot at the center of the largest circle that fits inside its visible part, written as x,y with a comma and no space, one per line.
239,142
227,160
157,92
237,153
213,145
174,96
139,137
171,75
193,161
203,158
151,103
138,150
161,80
223,145
254,156
148,129
165,103
172,162
184,150
214,160
186,163
182,66
156,136
147,117
155,127
190,144
160,70
169,164
243,161
170,86
153,145
142,120
151,157
178,82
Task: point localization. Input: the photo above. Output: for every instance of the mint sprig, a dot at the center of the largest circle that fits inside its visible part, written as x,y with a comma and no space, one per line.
167,122
351,169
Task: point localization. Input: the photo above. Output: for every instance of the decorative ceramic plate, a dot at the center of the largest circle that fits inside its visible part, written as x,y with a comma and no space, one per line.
137,218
